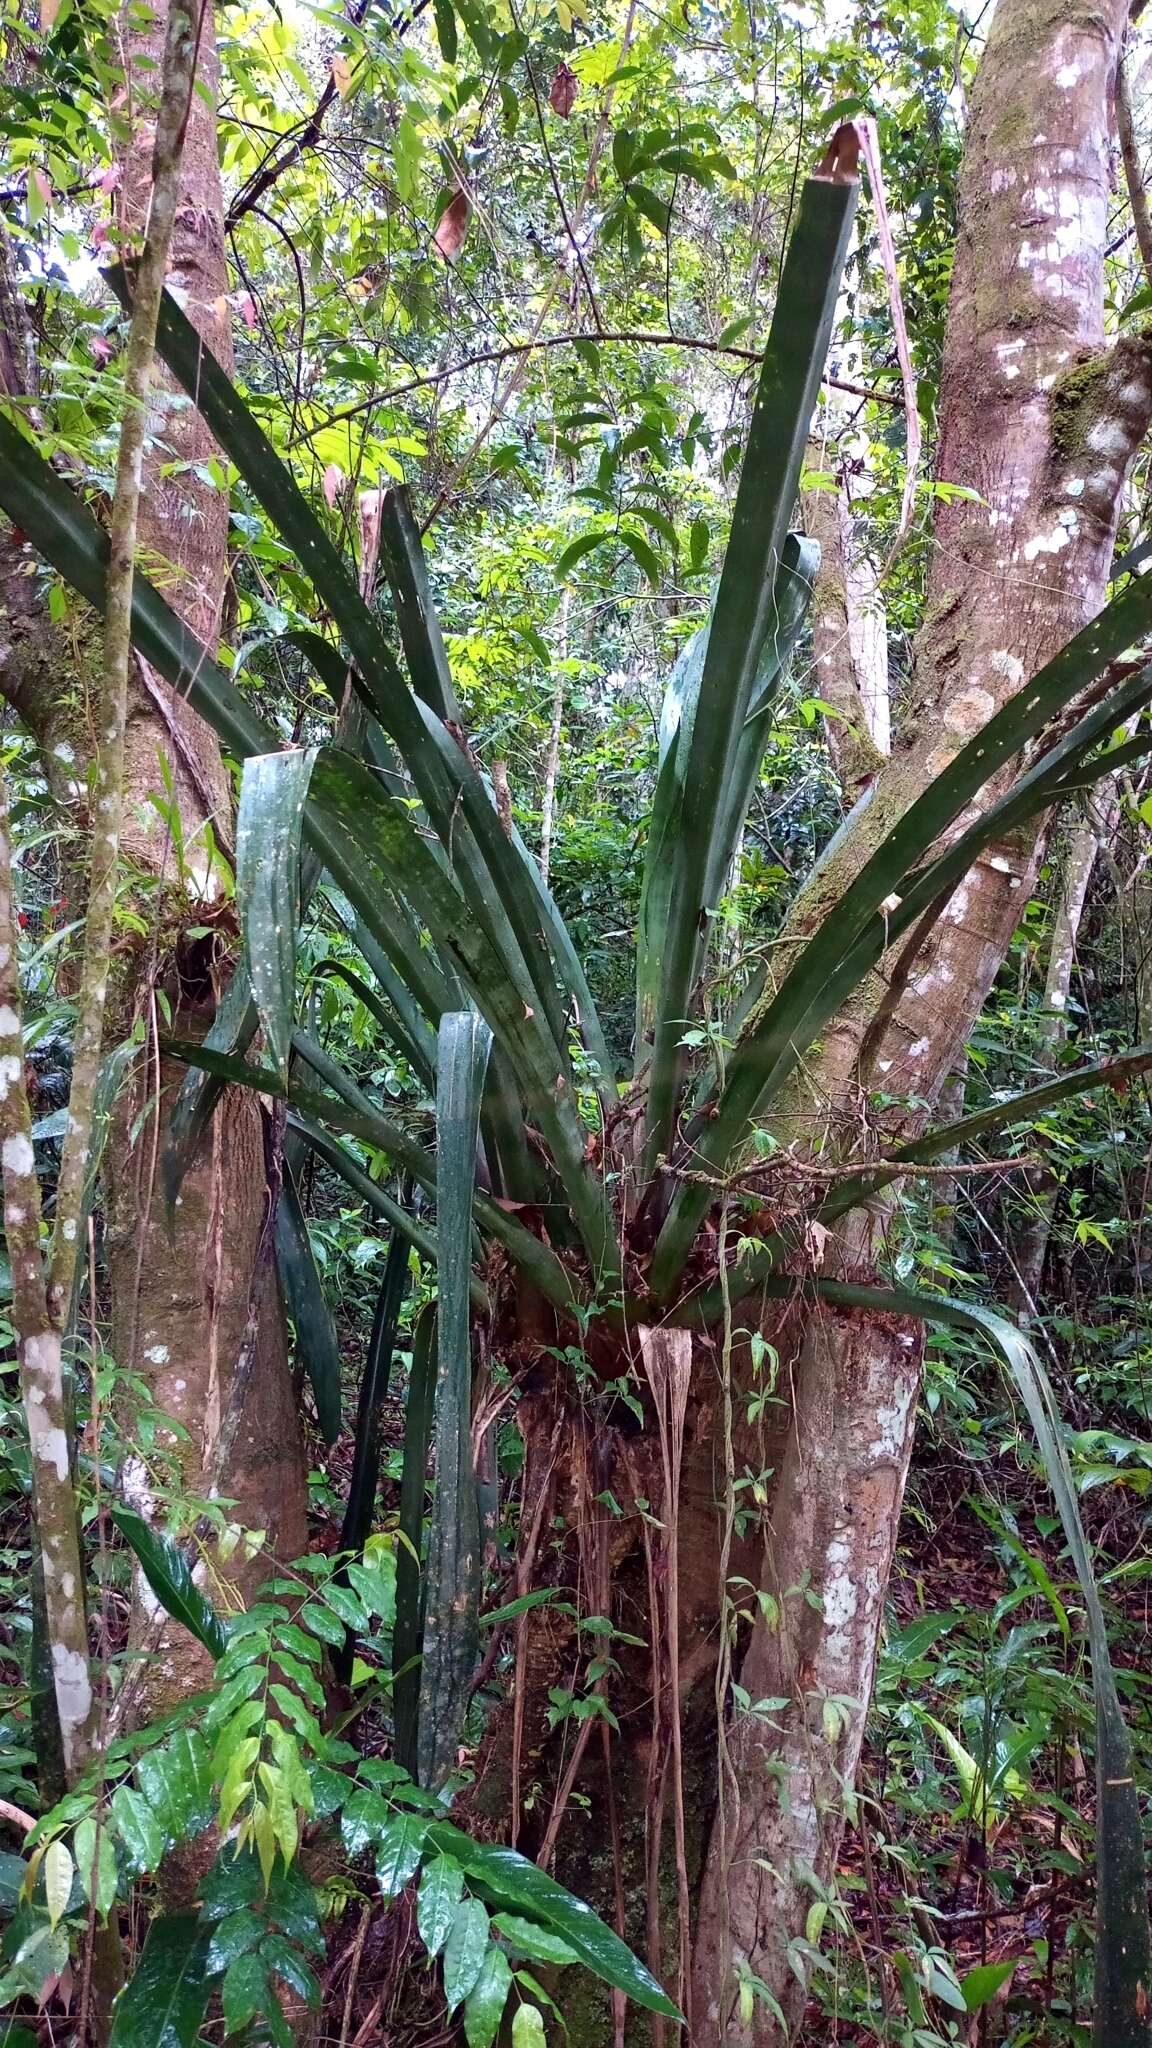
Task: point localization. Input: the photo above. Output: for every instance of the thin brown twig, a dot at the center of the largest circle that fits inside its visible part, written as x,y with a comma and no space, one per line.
637,337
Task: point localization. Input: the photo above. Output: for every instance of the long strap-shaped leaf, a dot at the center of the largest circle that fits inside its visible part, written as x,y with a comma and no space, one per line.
452,1605
358,1511
539,927
317,1345
440,771
1120,2017
1116,1072
69,536
389,842
273,792
882,903
793,592
403,1025
745,606
407,1635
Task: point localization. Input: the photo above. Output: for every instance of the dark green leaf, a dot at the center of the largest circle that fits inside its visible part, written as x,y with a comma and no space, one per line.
141,1834
317,1345
244,1992
170,1576
464,1950
484,2005
163,2002
454,1549
523,1887
273,793
407,1636
441,1886
399,1848
234,1936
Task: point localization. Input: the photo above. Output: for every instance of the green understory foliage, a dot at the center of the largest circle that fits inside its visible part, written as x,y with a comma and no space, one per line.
500,1102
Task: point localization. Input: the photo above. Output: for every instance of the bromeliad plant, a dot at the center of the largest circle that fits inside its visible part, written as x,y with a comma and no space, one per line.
474,978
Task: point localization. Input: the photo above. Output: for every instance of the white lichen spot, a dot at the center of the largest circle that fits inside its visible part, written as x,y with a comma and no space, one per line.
9,1021
138,1488
70,1230
1107,437
63,751
1046,543
11,1068
73,1689
179,1386
1056,1000
1004,663
1000,864
969,711
157,1354
917,1051
51,1448
891,1417
1067,76
16,1215
1074,488
17,1154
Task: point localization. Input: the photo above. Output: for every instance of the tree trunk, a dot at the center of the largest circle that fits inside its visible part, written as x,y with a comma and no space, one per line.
190,1292
1043,423
189,1289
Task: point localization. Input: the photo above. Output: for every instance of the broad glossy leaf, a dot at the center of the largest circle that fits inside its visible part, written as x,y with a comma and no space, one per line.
244,1992
163,2002
464,1950
528,2027
484,2005
523,1887
57,1871
441,1888
398,1852
170,1577
96,1863
530,1939
236,1935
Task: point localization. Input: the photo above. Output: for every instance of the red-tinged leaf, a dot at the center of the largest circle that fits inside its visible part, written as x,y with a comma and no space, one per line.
342,76
333,478
246,307
109,180
563,90
452,227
